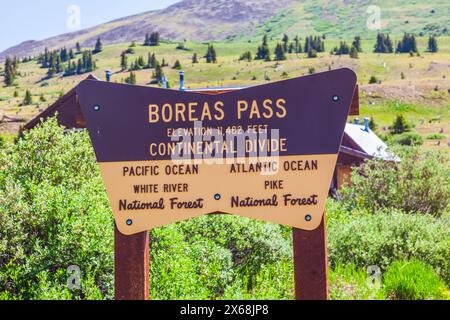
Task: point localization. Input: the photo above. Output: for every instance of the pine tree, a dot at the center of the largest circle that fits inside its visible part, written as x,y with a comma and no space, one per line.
80,66
28,100
285,42
263,52
151,61
131,79
177,65
357,44
195,58
343,48
211,55
408,44
147,40
152,40
383,44
10,72
432,44
78,48
400,125
297,45
279,53
123,61
159,73
98,46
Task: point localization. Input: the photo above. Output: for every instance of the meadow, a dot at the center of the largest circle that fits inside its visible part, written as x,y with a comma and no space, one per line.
416,86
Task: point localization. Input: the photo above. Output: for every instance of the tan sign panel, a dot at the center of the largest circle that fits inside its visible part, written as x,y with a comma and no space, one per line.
266,152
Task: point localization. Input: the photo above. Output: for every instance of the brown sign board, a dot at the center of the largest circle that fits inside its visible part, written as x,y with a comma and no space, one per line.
266,152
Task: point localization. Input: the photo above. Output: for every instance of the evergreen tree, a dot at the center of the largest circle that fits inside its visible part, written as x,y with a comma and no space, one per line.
246,56
279,53
123,61
177,65
151,61
408,44
42,98
80,66
432,44
291,48
343,48
159,73
315,43
131,79
98,46
141,63
152,39
195,58
28,100
357,44
211,55
400,125
147,40
10,72
78,48
285,43
263,52
383,44
297,45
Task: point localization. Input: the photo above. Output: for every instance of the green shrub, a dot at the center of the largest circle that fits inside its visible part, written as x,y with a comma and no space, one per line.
381,239
400,125
436,136
54,213
413,280
373,80
408,139
418,183
253,244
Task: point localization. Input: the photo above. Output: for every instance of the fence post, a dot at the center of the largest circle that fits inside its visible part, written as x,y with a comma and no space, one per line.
311,263
132,264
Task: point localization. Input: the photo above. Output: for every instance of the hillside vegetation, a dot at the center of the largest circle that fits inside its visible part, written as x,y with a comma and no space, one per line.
207,20
416,86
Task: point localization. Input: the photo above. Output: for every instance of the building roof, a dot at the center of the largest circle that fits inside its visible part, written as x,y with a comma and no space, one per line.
368,143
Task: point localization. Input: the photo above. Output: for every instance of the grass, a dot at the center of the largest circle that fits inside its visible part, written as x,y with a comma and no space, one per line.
413,280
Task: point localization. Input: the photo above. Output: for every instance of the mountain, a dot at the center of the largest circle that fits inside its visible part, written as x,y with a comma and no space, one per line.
204,20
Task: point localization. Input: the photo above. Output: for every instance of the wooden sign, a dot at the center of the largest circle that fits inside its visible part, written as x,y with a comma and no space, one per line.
267,152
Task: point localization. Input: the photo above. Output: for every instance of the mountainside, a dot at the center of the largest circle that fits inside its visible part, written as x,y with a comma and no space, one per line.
203,20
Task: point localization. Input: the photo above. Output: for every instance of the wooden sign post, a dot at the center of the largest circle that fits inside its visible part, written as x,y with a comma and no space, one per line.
266,152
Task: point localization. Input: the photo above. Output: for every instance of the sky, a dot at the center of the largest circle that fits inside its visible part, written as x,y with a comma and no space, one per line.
36,20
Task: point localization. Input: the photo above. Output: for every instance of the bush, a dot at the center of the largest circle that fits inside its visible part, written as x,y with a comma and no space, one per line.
373,80
54,213
367,239
400,125
413,280
418,183
408,139
436,136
